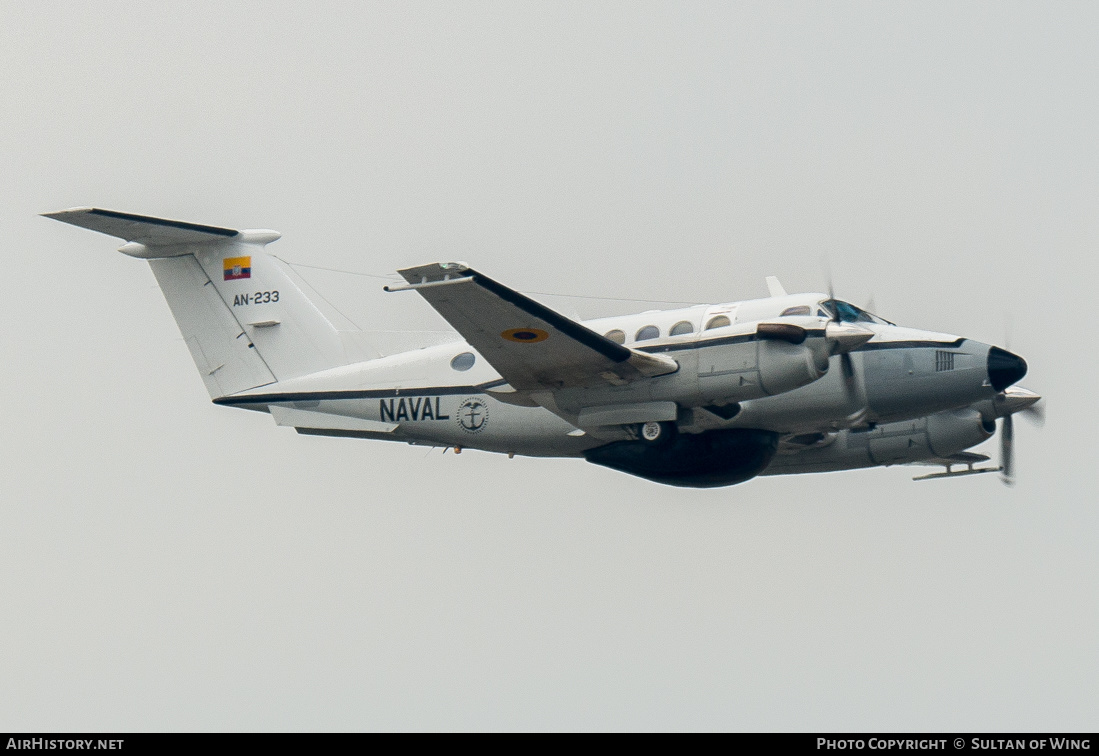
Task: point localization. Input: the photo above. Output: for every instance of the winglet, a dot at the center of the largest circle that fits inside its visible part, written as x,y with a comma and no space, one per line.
774,287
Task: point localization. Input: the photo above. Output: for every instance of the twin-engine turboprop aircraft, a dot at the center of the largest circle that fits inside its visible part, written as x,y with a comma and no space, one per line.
702,396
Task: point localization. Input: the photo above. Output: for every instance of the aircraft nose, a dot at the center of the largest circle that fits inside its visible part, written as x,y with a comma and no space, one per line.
1004,368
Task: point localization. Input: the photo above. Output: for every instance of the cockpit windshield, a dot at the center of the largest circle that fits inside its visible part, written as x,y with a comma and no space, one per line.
848,313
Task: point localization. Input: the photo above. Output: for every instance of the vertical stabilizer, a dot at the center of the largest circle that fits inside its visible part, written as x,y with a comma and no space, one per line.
225,357
243,318
291,335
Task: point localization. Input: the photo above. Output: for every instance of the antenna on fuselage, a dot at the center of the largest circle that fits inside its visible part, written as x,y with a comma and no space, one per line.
774,287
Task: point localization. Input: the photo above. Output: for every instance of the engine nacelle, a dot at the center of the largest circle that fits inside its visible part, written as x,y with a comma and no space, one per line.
773,367
735,368
938,435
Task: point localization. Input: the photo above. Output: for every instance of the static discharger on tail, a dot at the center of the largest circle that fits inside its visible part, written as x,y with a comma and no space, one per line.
701,396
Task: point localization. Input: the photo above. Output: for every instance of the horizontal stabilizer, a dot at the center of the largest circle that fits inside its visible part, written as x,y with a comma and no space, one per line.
141,228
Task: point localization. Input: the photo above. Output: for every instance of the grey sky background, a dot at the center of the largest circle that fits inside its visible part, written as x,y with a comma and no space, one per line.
169,565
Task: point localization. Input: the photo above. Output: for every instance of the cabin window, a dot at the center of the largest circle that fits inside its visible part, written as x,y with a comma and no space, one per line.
719,322
799,310
617,336
463,361
646,333
681,328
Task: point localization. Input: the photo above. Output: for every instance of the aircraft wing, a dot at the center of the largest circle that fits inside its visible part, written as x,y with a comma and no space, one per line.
531,346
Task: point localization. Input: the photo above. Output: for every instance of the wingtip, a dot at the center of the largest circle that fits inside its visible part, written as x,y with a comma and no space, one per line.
68,211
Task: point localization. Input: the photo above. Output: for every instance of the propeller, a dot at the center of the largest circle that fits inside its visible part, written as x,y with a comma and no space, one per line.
1036,413
1015,400
1007,451
850,381
836,331
1010,402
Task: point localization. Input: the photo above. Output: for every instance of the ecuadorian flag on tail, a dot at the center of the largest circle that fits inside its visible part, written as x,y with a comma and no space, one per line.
237,268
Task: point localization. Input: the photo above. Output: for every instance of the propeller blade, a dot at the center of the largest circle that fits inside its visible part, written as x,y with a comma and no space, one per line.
850,385
844,337
826,268
1007,452
1036,413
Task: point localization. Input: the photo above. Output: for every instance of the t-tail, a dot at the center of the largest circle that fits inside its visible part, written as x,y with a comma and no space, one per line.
245,321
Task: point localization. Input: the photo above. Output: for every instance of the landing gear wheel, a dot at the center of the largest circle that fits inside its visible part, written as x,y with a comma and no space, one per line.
656,434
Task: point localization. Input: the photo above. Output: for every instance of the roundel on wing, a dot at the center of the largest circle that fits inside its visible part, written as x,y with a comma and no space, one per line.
525,335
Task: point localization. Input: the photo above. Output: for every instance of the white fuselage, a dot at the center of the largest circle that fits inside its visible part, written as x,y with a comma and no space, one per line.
907,406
